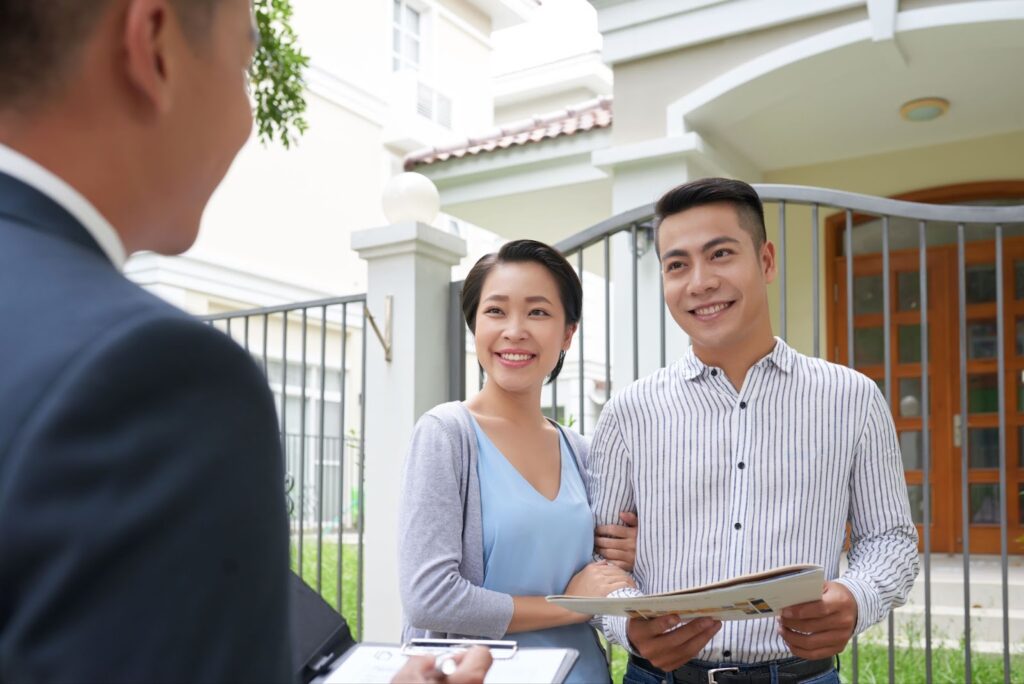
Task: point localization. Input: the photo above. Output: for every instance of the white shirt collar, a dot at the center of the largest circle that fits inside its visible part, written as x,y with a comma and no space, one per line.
45,181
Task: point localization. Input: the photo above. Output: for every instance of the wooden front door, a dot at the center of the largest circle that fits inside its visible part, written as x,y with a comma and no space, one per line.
948,427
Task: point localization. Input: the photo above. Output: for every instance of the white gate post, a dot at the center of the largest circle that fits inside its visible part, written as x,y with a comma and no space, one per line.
411,263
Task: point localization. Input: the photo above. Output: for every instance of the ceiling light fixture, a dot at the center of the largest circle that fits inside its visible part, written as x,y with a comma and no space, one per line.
924,109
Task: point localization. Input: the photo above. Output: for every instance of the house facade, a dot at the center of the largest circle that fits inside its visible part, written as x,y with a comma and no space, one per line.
904,99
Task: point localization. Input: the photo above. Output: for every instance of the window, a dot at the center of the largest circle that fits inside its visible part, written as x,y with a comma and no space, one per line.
405,44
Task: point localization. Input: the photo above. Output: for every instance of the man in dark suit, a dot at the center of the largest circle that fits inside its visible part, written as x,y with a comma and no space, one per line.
143,532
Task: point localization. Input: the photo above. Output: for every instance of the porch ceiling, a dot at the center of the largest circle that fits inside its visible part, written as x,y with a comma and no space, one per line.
845,103
548,215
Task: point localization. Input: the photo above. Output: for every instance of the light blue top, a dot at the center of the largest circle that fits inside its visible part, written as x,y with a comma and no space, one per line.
533,546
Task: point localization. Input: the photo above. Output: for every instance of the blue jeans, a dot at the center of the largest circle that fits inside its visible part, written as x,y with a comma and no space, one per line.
638,675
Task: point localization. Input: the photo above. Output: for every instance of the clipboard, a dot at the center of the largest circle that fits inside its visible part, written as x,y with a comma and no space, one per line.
377,663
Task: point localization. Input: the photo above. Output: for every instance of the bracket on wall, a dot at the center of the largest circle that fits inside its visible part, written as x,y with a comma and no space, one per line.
385,339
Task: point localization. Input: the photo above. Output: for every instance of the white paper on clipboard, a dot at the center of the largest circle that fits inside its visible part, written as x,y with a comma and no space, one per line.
378,663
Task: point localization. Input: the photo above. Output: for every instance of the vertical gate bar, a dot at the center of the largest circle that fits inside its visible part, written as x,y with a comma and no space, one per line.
964,503
782,269
816,281
607,321
661,315
1001,355
362,478
343,384
636,313
302,446
284,414
579,336
926,436
887,335
246,333
456,345
265,322
320,450
227,327
848,241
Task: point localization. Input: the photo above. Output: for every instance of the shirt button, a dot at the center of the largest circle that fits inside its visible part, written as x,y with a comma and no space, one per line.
743,404
714,372
741,465
737,526
727,654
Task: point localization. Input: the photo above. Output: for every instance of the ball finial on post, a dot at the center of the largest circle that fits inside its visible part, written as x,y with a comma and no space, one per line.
411,196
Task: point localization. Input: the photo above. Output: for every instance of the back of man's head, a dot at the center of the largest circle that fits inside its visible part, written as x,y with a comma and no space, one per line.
741,196
155,90
40,40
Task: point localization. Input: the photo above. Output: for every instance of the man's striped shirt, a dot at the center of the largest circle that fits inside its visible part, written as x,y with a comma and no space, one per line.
727,483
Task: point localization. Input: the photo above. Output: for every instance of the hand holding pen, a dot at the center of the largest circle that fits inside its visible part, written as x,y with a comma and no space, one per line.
469,667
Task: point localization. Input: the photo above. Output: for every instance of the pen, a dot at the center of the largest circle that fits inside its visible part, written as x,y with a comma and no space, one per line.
444,666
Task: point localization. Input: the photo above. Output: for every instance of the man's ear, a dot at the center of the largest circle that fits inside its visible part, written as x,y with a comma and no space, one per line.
148,45
767,260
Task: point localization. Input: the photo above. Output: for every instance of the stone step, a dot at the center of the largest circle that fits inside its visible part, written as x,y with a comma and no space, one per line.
948,626
984,594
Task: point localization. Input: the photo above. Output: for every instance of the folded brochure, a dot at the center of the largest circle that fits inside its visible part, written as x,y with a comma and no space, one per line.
757,595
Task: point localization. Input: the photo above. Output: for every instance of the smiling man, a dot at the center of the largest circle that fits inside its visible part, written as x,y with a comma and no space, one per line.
745,455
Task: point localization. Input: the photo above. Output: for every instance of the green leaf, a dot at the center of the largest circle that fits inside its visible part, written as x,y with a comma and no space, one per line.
278,87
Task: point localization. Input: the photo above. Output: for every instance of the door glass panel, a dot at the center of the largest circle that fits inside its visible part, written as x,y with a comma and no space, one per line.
981,339
984,504
983,393
880,383
910,343
910,397
867,294
910,446
983,447
915,493
981,283
1020,337
1020,504
1020,447
908,291
1020,390
1018,278
869,346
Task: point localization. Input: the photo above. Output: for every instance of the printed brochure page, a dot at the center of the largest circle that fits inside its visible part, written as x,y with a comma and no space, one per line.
757,595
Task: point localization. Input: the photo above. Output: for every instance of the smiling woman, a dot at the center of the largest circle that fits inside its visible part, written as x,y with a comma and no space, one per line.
495,513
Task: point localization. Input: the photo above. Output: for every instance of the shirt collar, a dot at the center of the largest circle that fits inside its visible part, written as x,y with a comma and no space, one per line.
32,173
782,356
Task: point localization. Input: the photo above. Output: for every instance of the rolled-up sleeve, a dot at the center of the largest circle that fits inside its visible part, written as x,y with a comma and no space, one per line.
883,558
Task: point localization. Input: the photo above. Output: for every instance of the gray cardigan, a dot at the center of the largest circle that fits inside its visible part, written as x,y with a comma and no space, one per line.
440,533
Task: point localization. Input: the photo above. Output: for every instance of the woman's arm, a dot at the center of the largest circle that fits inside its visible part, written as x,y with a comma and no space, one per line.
596,579
435,595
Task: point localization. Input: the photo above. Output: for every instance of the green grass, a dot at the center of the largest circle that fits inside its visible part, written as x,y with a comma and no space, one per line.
947,665
873,665
329,574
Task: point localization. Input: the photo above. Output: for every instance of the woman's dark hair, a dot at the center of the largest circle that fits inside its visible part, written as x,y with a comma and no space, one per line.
522,251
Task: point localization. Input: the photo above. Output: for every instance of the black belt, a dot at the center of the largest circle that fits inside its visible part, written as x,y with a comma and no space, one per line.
792,672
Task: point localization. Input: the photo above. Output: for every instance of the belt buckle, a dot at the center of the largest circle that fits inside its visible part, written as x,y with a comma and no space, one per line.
712,673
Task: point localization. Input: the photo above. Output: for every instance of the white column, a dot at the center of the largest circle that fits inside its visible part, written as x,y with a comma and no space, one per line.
412,263
635,185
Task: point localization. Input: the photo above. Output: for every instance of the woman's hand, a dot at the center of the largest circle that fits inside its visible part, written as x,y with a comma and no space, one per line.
598,579
617,543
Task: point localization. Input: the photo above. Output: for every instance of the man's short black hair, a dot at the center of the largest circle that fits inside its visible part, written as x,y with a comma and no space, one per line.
40,39
743,198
